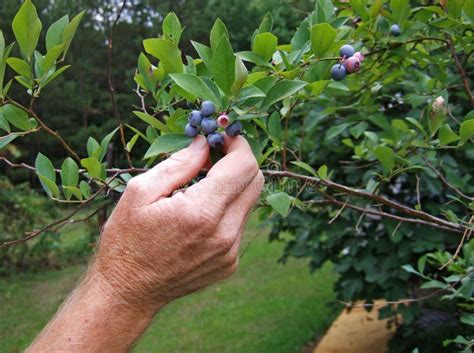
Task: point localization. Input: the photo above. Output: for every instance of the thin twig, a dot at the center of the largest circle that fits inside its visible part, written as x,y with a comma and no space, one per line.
446,182
47,227
373,197
465,236
460,68
113,98
46,128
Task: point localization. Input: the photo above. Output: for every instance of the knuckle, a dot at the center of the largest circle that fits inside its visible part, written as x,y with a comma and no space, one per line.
224,246
134,186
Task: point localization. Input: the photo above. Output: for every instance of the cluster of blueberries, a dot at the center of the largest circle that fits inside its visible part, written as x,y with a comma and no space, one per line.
351,60
202,120
350,63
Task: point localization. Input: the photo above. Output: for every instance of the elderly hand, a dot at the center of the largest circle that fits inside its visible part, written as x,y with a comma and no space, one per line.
157,246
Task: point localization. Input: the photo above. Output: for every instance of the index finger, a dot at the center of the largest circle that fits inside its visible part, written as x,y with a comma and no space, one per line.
229,177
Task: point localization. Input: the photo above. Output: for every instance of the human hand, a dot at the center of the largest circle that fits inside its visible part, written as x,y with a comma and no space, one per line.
156,247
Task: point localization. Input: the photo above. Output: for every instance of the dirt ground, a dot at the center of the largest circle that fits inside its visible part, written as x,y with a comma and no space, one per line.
356,332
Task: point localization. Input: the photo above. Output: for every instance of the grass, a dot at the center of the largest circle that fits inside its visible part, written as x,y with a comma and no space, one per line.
265,307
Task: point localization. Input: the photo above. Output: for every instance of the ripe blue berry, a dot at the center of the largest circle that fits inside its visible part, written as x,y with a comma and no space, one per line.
395,30
208,108
208,125
338,72
195,118
234,129
346,51
352,65
190,131
215,140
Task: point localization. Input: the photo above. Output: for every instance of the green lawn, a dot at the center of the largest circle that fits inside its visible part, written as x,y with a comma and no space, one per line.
264,308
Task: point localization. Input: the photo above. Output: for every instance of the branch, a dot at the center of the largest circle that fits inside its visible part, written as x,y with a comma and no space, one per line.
460,68
446,182
367,195
46,128
111,85
58,222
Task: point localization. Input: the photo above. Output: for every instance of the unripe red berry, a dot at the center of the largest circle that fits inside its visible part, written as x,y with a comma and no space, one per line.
352,65
223,121
359,56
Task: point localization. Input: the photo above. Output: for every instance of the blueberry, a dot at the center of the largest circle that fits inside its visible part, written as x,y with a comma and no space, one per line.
208,108
338,72
223,121
195,118
215,140
352,65
208,125
395,30
234,129
190,131
346,51
359,56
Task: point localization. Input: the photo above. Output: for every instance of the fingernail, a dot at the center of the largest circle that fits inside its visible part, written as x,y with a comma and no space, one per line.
198,143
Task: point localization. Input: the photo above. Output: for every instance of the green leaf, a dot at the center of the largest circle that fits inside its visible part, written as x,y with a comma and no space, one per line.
5,140
468,319
322,37
274,126
218,29
49,186
104,144
85,189
281,90
69,175
70,31
93,166
466,131
455,7
204,52
20,66
323,171
2,45
305,166
152,121
45,167
72,190
132,142
166,144
359,129
167,52
27,28
195,85
336,131
16,116
54,36
386,157
172,28
400,10
280,202
144,68
56,74
51,57
469,9
359,8
265,44
267,23
93,148
223,65
317,87
446,135
241,75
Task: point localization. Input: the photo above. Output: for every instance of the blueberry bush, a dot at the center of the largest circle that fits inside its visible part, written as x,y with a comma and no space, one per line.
363,124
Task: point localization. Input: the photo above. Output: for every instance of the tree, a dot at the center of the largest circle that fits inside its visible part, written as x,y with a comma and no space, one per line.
372,172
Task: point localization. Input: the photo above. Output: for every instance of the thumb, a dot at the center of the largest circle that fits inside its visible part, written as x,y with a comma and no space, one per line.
169,175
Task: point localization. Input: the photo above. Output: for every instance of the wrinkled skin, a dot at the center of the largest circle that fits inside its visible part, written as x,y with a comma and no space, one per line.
159,244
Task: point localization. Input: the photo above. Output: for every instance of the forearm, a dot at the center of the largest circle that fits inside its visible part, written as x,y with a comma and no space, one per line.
93,319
